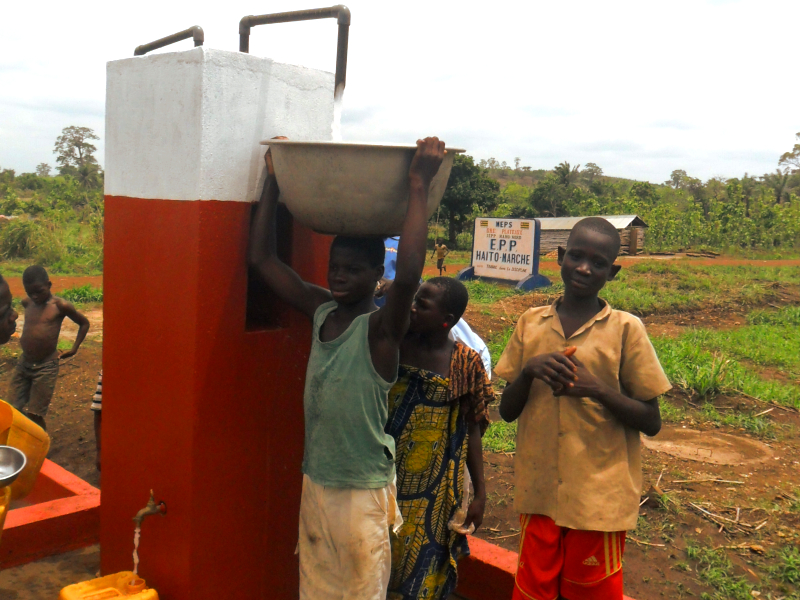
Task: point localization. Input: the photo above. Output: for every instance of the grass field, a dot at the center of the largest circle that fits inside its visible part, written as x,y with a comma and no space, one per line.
667,287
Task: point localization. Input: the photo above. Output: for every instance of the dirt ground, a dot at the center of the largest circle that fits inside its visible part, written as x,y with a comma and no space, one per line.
70,423
59,283
44,579
655,567
749,499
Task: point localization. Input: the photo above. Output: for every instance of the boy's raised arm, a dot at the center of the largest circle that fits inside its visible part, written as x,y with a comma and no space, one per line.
391,322
67,309
411,250
263,254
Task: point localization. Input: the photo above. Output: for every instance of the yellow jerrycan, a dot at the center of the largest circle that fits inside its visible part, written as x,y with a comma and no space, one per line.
5,500
119,585
20,432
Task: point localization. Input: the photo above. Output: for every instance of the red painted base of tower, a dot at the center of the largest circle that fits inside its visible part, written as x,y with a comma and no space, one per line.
197,407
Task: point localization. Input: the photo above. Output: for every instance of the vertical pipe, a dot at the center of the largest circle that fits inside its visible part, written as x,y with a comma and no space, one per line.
341,59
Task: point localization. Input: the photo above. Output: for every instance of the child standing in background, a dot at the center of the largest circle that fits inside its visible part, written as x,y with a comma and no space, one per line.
437,415
34,379
577,469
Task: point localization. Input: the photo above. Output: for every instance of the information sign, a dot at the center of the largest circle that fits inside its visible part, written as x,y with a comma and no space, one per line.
504,248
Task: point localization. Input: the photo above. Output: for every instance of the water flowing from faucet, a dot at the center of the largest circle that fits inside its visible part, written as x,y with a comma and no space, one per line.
137,533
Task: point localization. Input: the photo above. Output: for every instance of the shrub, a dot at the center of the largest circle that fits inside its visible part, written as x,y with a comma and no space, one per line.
83,293
464,241
16,238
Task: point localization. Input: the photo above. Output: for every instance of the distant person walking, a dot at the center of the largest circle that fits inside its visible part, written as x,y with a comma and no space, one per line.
34,379
441,252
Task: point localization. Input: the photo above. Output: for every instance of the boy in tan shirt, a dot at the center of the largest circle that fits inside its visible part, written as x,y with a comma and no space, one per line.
577,466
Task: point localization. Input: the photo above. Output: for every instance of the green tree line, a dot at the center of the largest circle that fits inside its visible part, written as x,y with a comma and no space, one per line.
750,212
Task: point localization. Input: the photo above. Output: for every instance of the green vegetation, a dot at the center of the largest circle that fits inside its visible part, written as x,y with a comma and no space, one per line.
57,221
483,292
752,424
715,568
744,214
500,437
787,570
82,294
671,413
497,343
788,315
765,345
659,286
671,286
470,192
691,362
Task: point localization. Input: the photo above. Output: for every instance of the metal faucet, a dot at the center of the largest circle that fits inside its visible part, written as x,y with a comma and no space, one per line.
151,508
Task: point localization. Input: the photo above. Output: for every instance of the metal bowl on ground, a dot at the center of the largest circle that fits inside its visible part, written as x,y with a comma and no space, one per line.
346,188
12,462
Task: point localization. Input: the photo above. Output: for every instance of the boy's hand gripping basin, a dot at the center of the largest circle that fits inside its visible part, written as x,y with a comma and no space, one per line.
351,189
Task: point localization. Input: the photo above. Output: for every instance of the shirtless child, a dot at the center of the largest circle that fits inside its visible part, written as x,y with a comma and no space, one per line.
34,378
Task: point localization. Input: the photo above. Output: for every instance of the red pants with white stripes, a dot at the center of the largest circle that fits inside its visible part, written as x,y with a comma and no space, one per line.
568,563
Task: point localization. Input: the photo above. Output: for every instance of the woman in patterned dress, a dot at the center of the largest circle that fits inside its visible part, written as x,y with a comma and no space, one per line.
437,414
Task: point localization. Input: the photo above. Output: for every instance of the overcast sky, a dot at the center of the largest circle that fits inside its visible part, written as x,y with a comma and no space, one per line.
640,88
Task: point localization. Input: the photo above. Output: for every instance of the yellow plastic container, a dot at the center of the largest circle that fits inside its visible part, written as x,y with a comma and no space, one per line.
119,585
5,500
19,431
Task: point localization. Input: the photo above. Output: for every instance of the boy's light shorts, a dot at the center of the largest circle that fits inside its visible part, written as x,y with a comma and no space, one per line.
344,545
576,565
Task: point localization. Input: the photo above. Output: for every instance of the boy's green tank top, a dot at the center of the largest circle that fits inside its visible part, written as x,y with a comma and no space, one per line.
346,408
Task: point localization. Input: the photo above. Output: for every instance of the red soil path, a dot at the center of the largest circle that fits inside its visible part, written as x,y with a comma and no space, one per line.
59,283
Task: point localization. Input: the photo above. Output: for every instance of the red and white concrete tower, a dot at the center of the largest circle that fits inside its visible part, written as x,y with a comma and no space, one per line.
203,371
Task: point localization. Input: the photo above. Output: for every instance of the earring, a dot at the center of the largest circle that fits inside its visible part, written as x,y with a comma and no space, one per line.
444,324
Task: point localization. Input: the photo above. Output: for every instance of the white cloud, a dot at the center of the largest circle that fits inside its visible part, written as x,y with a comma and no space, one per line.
640,88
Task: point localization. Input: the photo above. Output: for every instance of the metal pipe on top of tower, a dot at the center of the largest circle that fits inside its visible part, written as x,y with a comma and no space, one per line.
340,12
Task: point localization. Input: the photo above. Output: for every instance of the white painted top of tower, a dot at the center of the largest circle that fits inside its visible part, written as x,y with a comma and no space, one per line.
187,125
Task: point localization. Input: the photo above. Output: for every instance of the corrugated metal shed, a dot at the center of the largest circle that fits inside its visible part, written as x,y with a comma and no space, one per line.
567,223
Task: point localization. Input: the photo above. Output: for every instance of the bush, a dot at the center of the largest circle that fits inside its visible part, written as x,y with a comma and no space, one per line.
16,238
464,241
48,248
82,293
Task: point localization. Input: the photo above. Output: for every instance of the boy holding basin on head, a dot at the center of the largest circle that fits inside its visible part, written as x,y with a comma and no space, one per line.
348,501
584,380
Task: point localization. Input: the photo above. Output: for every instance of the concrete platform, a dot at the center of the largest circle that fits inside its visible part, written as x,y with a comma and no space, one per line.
61,513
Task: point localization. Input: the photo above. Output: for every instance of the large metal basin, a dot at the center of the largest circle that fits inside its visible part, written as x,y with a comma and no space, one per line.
12,462
350,189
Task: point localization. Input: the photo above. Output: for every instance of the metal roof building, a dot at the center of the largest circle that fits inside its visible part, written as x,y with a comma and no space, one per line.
567,223
555,231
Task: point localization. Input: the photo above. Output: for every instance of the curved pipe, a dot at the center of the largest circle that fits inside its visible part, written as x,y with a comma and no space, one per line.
196,33
340,12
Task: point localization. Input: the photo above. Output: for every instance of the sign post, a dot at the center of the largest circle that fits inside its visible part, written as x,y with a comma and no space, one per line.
507,250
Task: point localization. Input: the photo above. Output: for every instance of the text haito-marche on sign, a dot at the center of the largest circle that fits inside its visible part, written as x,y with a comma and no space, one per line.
503,248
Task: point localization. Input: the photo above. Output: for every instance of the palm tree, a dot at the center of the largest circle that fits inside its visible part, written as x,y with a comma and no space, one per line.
565,175
88,176
777,181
